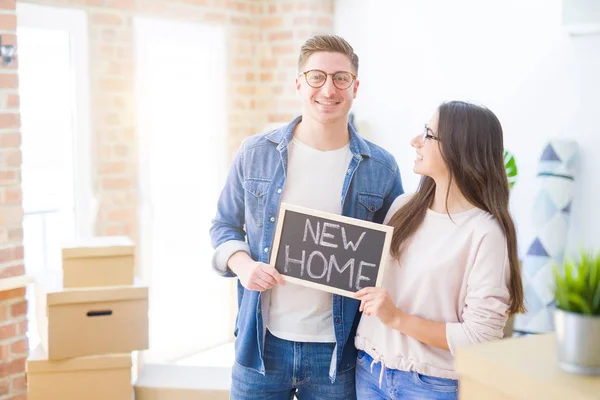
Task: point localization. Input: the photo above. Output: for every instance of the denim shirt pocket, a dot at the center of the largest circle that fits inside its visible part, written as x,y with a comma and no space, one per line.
256,195
368,204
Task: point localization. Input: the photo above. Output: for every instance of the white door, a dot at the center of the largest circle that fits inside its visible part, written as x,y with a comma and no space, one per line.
53,86
181,119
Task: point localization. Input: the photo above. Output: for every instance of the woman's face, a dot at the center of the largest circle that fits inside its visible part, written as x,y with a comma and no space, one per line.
429,159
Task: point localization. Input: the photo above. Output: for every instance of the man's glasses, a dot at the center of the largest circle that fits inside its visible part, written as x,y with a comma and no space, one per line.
317,78
428,134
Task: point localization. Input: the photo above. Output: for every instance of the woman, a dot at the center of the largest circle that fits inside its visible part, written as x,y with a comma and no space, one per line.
453,276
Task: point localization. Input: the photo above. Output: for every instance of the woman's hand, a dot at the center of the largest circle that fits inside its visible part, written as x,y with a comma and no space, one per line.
377,301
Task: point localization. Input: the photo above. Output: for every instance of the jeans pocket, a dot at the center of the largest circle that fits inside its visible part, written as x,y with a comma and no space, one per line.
361,357
434,383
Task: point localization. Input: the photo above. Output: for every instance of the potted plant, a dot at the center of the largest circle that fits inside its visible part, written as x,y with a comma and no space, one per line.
577,314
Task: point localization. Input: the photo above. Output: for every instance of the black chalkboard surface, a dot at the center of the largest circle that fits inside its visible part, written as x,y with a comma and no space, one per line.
329,252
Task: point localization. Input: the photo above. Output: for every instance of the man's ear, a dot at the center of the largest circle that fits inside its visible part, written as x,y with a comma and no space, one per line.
355,89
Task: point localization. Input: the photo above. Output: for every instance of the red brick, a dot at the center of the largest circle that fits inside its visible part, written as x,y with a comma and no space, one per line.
8,4
120,215
19,383
8,22
242,62
284,49
12,271
18,397
10,158
266,77
4,385
17,365
126,5
11,216
15,235
10,121
12,294
279,36
114,85
10,140
324,22
109,168
13,100
106,19
8,177
197,2
22,327
246,90
8,80
117,184
21,346
8,331
271,22
10,197
215,17
3,318
268,63
19,309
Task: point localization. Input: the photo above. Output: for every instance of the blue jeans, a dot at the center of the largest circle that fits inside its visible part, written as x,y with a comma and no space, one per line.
397,384
293,368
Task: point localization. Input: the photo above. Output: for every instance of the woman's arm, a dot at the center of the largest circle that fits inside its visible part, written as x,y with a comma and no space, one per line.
377,302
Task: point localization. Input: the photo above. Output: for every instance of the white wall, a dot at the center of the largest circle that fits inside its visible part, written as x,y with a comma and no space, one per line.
511,56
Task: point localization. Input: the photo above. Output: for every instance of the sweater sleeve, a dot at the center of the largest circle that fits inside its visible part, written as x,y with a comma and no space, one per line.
487,299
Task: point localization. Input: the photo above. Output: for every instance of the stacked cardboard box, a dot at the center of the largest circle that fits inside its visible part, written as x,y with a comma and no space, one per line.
90,320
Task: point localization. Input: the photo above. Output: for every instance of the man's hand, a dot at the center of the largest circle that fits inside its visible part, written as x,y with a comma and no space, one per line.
254,275
377,302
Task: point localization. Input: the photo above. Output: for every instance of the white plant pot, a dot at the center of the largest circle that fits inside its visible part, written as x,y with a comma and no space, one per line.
578,341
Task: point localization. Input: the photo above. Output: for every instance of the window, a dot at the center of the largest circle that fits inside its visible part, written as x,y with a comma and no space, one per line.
181,121
53,80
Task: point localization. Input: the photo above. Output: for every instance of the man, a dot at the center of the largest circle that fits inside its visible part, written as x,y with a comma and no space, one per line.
290,338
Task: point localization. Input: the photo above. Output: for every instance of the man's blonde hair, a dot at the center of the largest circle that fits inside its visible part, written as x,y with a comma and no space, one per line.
328,43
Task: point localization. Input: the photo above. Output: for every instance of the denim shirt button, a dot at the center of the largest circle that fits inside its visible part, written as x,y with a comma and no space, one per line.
278,190
266,249
337,320
272,219
349,170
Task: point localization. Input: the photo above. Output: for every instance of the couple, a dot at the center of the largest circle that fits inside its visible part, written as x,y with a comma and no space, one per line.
453,276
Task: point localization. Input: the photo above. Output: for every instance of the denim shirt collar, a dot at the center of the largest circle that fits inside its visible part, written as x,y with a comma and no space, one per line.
283,135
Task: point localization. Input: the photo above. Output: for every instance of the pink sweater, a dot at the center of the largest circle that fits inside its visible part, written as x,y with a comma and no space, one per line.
453,272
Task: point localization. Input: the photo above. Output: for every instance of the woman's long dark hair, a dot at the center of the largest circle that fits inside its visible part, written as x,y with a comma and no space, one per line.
472,147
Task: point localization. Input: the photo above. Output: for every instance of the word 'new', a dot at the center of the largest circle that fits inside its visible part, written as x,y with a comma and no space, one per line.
324,266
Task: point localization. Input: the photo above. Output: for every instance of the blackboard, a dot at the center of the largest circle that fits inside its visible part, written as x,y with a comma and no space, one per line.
329,252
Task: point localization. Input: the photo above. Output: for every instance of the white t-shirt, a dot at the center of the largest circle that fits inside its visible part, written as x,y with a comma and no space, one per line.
314,179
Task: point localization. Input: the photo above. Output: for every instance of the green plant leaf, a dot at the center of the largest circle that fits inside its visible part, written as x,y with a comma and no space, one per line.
579,303
596,302
510,164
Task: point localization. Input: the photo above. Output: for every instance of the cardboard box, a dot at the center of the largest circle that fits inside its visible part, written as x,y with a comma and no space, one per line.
90,321
98,261
182,382
90,378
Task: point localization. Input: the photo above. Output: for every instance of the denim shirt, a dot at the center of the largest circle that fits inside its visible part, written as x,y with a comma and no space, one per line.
246,220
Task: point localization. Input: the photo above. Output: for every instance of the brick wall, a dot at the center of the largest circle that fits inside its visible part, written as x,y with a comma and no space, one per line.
263,36
13,306
285,25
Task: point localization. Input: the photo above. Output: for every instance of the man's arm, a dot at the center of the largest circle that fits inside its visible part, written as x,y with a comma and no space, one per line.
227,233
232,254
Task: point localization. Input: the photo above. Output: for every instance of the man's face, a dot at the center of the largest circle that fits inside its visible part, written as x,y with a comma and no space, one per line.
326,104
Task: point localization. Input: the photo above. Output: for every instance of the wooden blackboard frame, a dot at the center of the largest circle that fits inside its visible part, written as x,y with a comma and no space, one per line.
284,207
